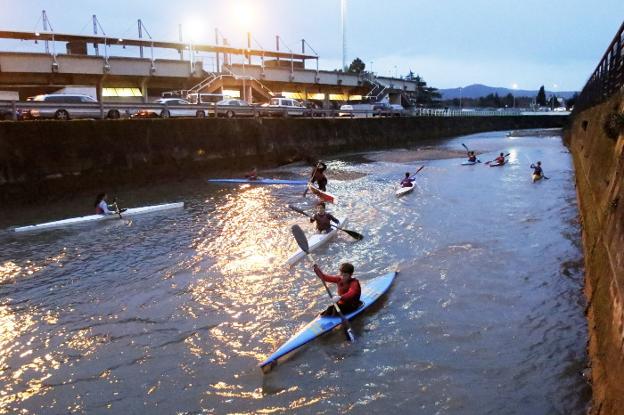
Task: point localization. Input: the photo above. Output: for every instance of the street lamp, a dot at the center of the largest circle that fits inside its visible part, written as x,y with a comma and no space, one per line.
460,98
514,86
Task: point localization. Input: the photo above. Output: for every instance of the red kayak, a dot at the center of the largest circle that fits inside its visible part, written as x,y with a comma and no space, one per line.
324,196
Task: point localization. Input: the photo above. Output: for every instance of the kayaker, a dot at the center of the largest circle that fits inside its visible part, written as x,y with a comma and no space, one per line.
538,173
318,176
252,175
407,181
472,157
500,159
348,298
323,219
101,206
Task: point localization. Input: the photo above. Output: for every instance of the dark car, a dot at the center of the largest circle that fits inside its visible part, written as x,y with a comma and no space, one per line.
6,114
382,109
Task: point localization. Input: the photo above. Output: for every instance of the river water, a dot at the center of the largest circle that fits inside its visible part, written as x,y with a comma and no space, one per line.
171,312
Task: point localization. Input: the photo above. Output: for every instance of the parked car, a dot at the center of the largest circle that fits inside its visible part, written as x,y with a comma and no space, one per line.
70,106
283,107
382,109
6,114
231,108
195,98
346,111
171,107
397,110
312,109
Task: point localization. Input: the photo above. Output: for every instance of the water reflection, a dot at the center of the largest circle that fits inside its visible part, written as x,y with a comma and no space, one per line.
172,313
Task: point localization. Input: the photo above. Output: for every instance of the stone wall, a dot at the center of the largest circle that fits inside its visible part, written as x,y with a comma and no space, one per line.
50,158
595,138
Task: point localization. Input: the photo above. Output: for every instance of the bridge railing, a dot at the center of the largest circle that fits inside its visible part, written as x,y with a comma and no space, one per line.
16,110
608,77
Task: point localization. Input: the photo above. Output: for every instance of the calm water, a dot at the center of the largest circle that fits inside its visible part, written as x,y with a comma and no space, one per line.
172,312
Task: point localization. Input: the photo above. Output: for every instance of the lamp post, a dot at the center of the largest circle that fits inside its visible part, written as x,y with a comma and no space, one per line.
460,98
514,86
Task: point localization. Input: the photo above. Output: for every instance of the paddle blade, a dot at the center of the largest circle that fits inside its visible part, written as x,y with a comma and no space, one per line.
349,334
465,146
353,234
300,237
296,209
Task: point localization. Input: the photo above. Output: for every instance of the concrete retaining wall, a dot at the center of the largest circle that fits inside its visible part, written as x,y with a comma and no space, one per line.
47,158
599,164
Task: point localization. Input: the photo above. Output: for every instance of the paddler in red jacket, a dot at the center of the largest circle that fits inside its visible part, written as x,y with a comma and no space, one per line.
500,160
348,298
323,219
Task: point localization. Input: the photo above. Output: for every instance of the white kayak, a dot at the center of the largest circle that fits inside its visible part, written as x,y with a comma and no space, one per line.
404,190
315,241
93,218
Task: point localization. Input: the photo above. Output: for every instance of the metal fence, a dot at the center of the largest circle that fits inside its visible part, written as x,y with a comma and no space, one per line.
27,110
607,79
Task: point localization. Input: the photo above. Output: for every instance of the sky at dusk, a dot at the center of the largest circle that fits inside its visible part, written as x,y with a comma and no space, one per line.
450,43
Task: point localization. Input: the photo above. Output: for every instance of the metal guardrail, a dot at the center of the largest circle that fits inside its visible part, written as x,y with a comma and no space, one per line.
20,109
608,77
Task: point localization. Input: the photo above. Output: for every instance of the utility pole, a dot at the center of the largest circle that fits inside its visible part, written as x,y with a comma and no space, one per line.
44,19
218,69
140,27
95,45
343,16
180,39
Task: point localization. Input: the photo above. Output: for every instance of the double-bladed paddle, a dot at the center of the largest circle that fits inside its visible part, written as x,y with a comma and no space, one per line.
353,234
505,156
305,192
468,150
302,241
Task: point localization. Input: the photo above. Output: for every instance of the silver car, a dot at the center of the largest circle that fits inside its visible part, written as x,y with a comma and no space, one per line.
65,107
235,108
171,107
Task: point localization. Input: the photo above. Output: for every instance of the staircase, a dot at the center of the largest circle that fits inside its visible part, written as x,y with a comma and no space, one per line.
378,91
215,81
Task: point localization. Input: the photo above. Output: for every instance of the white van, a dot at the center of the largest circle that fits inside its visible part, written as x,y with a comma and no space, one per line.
196,98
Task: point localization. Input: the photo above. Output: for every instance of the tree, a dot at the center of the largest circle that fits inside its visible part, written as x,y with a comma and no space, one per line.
357,66
425,95
509,100
540,99
572,100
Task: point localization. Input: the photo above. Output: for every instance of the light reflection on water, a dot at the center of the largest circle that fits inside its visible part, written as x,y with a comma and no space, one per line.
171,313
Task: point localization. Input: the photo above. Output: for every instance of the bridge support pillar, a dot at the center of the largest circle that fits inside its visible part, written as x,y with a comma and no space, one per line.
98,89
144,92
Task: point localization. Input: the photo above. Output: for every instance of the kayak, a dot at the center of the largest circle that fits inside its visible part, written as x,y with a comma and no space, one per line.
536,177
94,218
260,181
371,292
469,163
497,165
324,196
404,190
315,241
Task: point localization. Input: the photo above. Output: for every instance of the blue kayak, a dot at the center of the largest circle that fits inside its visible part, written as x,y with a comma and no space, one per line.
373,289
259,181
469,163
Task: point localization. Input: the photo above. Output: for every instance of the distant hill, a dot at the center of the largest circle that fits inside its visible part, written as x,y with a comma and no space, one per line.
478,90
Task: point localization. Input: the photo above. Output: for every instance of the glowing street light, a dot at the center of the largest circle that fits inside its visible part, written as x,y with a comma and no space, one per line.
514,86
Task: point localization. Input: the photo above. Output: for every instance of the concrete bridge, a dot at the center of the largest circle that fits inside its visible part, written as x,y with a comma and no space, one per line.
265,73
